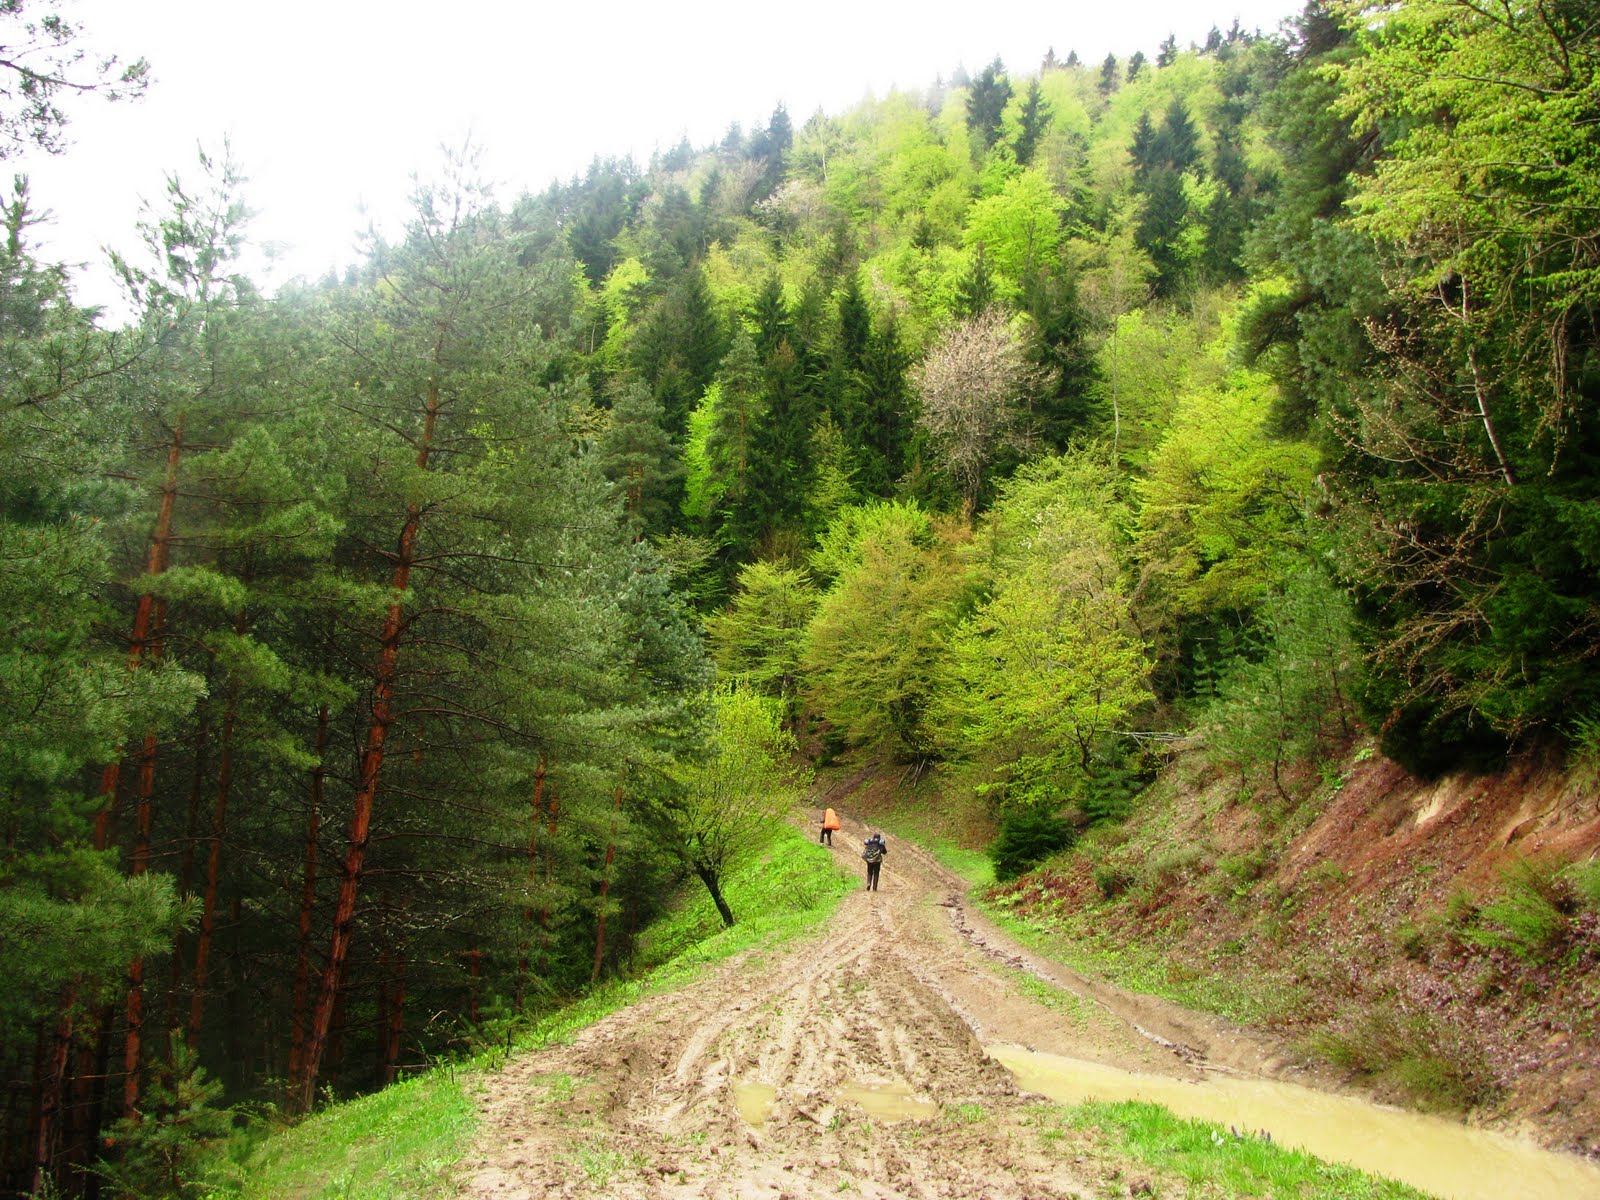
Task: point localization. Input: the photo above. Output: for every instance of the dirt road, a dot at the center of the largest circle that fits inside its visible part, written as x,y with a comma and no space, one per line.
850,1063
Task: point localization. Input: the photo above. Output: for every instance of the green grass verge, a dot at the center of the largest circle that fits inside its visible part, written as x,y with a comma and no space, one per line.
403,1143
1210,1161
1074,941
400,1142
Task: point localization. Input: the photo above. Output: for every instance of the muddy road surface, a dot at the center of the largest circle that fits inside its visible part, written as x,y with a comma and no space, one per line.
850,1063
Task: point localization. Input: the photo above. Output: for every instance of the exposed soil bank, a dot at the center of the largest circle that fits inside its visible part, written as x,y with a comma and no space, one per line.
1352,922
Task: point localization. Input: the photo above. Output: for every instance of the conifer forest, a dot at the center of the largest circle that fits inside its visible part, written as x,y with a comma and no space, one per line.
380,656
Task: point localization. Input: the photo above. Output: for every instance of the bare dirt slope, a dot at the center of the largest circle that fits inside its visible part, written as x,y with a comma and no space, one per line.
891,1003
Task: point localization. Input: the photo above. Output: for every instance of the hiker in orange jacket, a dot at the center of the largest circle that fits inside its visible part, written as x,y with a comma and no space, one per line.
830,822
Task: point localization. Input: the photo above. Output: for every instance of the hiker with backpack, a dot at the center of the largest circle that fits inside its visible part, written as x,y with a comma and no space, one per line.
830,822
875,850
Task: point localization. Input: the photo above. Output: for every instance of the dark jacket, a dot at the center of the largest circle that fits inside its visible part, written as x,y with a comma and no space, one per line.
875,849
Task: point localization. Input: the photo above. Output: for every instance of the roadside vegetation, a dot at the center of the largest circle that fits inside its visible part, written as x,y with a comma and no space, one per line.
403,1143
1172,1156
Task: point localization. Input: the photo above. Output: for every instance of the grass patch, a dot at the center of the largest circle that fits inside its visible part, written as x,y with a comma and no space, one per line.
1083,1013
793,887
403,1143
1215,1163
974,866
1073,940
397,1144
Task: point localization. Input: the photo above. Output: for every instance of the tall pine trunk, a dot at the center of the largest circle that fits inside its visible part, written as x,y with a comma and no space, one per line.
371,770
145,645
145,620
53,1091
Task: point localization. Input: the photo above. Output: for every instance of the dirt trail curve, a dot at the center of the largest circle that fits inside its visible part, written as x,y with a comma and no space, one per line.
890,1004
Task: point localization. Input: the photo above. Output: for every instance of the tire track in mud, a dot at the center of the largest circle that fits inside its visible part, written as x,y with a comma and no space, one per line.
883,1010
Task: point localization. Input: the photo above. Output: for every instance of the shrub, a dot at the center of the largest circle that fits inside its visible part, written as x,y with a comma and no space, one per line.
1432,1063
1584,880
1113,880
1108,795
1028,836
1411,940
1527,920
1244,868
1166,868
162,1153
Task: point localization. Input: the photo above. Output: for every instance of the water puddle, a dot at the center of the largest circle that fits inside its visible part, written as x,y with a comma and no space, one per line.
754,1101
888,1102
1441,1157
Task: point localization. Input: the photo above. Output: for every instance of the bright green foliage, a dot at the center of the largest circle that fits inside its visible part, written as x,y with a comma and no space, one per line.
703,486
841,547
1019,229
1222,506
759,637
730,801
873,649
1049,666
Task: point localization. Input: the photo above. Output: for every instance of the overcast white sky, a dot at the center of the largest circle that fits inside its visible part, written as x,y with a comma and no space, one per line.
332,104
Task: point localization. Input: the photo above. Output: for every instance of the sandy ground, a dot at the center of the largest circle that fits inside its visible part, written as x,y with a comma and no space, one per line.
891,1004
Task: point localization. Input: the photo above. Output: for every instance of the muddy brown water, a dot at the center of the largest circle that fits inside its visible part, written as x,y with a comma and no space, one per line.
1447,1159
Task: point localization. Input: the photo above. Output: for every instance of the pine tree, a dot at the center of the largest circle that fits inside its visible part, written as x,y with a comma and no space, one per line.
1110,75
991,91
639,458
1034,119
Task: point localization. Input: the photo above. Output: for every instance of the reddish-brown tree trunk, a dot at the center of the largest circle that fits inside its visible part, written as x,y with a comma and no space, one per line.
371,770
134,1042
145,621
145,644
55,1078
605,889
308,903
219,824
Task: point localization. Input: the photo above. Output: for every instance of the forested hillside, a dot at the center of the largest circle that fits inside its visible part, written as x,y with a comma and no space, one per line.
381,656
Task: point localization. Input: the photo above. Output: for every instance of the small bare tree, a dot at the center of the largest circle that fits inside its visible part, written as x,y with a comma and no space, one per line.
973,384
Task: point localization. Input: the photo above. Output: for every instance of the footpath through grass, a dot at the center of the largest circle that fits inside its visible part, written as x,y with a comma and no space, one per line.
403,1143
